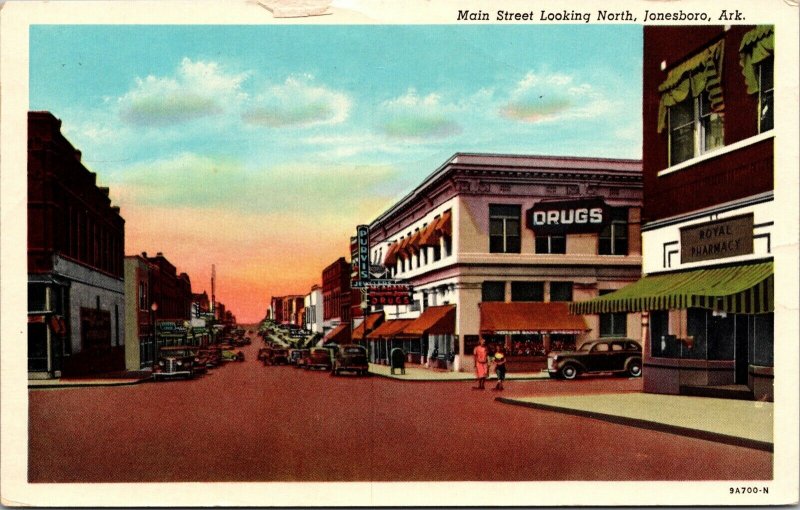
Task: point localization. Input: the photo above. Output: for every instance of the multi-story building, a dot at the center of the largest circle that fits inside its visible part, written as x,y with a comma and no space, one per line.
313,310
139,312
76,241
171,295
507,241
709,218
336,301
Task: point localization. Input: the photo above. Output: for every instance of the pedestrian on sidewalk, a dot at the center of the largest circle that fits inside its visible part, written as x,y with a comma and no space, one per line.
499,368
481,355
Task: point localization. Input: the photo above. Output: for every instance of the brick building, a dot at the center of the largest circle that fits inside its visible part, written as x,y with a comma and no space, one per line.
709,220
76,241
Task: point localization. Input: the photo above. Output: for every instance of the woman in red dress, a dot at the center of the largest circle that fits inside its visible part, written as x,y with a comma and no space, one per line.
481,354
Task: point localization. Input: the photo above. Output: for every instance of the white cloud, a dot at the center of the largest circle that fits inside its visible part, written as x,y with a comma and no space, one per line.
412,116
550,97
298,102
198,89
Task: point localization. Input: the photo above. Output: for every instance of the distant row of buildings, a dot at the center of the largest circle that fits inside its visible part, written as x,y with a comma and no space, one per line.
91,308
540,253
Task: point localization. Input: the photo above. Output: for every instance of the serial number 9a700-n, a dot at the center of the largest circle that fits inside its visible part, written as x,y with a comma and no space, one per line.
749,490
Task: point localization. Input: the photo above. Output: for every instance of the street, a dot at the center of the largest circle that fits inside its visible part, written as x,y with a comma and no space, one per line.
247,422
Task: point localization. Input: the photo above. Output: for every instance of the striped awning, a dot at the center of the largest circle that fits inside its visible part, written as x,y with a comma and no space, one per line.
369,324
701,73
736,289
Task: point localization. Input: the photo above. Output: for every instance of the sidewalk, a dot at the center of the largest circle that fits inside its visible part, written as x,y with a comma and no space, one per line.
736,422
418,373
106,379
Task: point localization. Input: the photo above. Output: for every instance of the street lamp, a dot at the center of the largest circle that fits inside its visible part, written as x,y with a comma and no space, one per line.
153,309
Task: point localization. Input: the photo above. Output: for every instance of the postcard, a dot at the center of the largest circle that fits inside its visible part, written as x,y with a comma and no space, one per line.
471,253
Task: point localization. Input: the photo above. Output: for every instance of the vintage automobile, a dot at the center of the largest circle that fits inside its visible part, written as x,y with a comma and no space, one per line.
350,358
318,358
279,356
200,364
302,358
213,355
263,354
174,361
229,354
621,356
295,355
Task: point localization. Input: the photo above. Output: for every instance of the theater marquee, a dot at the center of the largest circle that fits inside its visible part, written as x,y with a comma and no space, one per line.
717,239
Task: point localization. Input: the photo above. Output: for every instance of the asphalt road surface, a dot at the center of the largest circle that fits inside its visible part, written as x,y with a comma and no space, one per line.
247,422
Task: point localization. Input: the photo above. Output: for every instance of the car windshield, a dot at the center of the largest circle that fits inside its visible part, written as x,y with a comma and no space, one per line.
354,350
585,347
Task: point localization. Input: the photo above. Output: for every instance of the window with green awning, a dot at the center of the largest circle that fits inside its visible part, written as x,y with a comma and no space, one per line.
701,73
757,45
747,289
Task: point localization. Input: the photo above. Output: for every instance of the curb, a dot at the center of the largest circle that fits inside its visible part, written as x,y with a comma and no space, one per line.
83,385
466,379
650,425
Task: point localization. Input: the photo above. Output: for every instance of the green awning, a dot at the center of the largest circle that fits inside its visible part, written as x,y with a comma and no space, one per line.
757,45
701,73
736,289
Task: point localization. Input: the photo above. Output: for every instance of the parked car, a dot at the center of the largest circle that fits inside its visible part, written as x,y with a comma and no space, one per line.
263,354
174,361
296,355
350,358
616,355
213,355
200,364
279,356
318,358
302,358
229,354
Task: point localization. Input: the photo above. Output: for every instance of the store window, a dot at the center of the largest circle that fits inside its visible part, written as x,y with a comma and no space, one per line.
493,291
37,297
560,291
613,324
762,344
527,291
504,228
691,105
527,345
551,244
614,236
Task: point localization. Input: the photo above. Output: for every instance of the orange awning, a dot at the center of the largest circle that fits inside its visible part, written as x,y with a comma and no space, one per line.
435,320
389,329
529,318
433,232
338,335
391,255
367,325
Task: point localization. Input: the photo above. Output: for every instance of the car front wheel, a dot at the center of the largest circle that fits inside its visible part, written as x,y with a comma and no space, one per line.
568,372
635,369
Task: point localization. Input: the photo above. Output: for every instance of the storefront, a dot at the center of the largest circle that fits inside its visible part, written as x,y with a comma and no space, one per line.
709,331
512,230
429,338
383,339
527,332
365,327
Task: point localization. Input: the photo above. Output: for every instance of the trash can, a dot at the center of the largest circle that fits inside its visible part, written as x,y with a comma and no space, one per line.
397,361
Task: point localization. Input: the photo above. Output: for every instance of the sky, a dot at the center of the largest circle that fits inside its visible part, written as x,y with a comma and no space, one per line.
260,148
